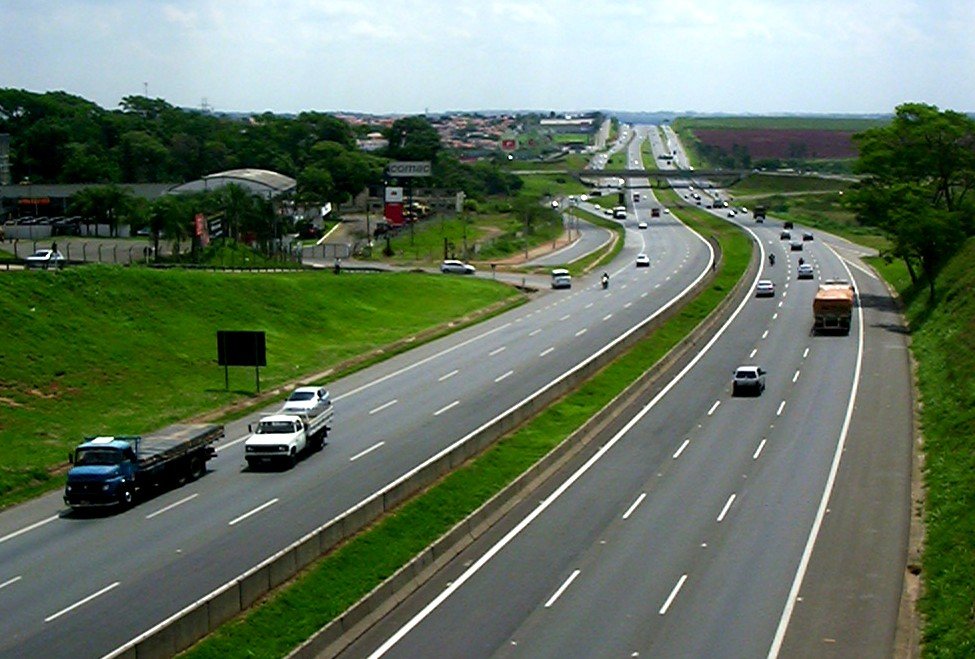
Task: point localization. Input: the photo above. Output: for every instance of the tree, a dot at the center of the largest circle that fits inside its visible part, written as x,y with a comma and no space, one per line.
170,217
918,171
105,204
413,138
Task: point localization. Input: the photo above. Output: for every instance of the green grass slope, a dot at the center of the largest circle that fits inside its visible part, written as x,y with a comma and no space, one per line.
111,350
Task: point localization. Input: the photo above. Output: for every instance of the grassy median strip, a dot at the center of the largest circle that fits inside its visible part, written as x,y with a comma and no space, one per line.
330,586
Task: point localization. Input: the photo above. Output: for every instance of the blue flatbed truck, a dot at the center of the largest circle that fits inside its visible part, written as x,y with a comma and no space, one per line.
114,470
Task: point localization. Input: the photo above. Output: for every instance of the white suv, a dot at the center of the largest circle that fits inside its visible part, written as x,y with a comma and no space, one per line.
748,379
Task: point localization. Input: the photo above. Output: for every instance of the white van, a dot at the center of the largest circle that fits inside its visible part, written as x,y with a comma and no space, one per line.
561,278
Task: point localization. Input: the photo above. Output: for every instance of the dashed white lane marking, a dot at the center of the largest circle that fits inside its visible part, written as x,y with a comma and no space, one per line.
10,582
545,352
805,353
714,407
639,500
673,595
173,505
376,410
446,407
261,507
367,451
589,306
502,377
55,616
681,449
607,317
33,526
581,332
795,377
753,353
558,593
727,507
497,351
565,317
781,407
534,332
448,375
765,334
758,451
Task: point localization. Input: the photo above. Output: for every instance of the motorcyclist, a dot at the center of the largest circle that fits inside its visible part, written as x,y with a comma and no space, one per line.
605,280
801,260
771,259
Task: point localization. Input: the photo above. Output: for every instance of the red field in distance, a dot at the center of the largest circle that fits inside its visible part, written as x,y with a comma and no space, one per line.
781,143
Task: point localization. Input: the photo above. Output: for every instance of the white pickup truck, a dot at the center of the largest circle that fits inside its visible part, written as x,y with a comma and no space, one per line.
283,436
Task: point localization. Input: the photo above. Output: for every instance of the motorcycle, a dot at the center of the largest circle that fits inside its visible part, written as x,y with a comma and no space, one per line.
605,281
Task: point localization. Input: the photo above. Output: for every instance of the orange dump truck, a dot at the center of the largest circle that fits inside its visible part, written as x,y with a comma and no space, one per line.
833,307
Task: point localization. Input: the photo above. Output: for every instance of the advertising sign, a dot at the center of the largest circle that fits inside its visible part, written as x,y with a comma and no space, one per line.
409,168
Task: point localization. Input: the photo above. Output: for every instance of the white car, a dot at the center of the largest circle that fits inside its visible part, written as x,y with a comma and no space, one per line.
765,288
561,278
45,258
748,379
304,399
457,267
641,225
642,260
731,213
805,271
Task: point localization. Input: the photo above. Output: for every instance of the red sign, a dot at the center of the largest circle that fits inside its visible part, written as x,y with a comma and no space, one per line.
200,223
394,214
509,145
34,201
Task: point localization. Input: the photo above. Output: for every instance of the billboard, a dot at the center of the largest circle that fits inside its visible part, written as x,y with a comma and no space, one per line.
409,168
241,348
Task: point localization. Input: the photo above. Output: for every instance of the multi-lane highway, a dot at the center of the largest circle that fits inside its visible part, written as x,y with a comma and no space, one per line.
83,586
710,525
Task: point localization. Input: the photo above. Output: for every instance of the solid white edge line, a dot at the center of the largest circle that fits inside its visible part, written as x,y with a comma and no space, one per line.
558,593
448,375
727,506
11,536
790,601
681,449
497,547
173,505
396,483
9,582
383,406
758,451
446,407
673,595
367,451
639,500
252,512
81,602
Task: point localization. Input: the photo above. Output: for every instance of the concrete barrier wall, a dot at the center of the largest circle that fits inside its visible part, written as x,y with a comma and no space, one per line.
195,621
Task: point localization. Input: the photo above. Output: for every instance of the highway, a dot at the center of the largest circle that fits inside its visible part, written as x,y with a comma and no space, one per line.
83,585
709,525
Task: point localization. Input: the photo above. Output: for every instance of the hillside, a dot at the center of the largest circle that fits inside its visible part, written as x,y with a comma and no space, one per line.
110,350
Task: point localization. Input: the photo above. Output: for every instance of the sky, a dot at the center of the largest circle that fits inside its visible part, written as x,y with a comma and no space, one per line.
415,56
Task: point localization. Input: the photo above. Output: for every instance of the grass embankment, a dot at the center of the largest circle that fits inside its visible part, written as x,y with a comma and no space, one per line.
103,350
336,582
941,332
781,123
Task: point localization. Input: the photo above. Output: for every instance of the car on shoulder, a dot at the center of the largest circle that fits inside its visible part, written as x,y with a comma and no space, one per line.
785,235
765,288
795,246
306,399
641,225
452,266
731,213
805,271
561,278
642,260
787,225
45,258
748,379
807,235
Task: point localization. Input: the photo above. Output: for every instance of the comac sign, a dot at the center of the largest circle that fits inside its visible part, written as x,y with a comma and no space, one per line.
409,168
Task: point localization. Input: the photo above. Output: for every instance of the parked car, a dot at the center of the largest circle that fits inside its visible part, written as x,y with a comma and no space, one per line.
731,213
45,258
642,260
457,267
748,379
805,271
765,288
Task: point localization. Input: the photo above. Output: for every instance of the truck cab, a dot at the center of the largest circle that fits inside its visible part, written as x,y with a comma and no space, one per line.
103,473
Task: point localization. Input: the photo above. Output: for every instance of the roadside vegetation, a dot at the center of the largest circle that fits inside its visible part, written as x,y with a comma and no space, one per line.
326,589
106,350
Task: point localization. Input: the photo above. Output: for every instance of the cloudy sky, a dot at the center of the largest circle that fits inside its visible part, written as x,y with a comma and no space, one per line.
407,56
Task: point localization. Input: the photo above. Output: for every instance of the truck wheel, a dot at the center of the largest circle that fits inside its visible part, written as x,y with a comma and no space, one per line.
125,497
197,467
293,458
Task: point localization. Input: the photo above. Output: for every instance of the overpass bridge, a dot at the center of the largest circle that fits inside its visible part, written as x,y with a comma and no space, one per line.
664,178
